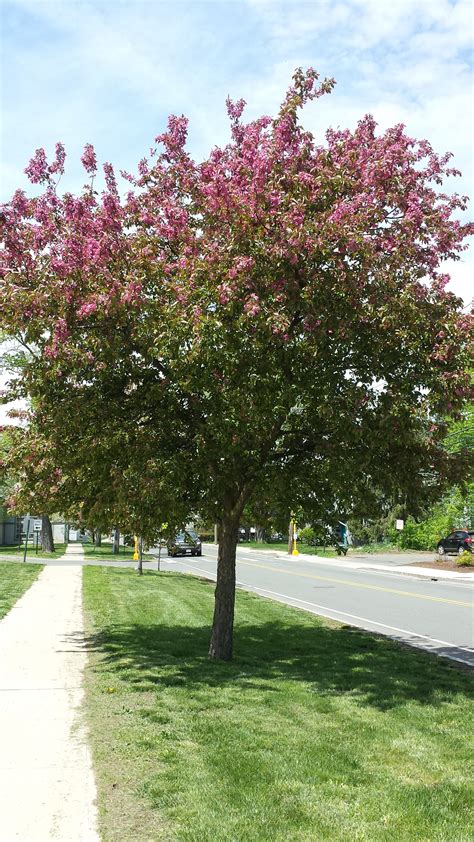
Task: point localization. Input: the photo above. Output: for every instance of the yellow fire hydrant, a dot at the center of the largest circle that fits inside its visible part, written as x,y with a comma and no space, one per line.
295,535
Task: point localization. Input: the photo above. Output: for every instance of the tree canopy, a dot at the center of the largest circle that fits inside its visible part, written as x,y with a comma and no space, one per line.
269,323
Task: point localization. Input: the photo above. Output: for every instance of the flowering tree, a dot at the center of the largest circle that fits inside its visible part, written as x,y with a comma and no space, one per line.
272,321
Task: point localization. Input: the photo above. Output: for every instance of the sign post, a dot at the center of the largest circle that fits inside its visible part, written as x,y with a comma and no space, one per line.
26,538
37,526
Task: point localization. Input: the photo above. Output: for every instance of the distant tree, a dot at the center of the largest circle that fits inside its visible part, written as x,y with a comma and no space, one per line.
8,482
259,324
460,436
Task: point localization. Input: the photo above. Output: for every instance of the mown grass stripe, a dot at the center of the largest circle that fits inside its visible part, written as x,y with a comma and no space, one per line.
314,731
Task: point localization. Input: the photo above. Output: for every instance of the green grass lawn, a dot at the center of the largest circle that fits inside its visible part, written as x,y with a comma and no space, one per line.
380,547
59,550
282,546
105,553
15,579
314,732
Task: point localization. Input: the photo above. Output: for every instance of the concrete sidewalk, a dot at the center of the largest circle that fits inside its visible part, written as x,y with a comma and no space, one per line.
403,569
47,788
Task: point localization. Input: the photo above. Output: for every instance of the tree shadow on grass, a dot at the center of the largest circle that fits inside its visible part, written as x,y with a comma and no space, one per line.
329,661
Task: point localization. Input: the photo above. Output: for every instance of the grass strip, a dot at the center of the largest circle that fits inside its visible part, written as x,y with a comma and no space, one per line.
328,551
15,579
315,731
105,553
31,553
282,547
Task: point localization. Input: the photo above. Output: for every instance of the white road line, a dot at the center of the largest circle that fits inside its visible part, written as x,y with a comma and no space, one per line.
285,597
361,619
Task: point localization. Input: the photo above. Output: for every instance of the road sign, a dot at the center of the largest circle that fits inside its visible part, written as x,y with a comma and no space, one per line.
37,526
399,524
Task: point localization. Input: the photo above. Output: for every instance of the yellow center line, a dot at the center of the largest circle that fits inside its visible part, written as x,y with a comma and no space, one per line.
357,584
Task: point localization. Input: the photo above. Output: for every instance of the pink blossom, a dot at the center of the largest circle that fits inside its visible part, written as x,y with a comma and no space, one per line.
110,179
441,281
58,165
37,169
175,138
143,167
87,309
132,293
89,159
252,305
91,249
61,330
20,203
224,293
235,109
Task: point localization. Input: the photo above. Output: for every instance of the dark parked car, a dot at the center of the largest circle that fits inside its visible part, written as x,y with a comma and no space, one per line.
185,543
457,542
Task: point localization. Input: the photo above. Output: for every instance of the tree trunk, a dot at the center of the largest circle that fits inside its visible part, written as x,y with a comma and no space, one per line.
259,534
116,543
47,534
290,537
97,538
223,622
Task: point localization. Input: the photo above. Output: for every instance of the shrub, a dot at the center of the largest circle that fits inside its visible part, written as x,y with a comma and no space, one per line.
466,559
307,535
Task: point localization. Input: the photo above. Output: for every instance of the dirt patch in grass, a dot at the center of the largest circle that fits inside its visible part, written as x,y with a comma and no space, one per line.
445,564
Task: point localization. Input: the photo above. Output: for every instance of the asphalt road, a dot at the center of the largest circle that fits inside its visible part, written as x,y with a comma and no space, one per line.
434,615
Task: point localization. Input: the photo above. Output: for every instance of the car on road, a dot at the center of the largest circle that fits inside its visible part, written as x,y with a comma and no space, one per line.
456,542
185,543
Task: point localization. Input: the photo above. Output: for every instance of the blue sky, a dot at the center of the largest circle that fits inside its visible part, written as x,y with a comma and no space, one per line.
110,72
